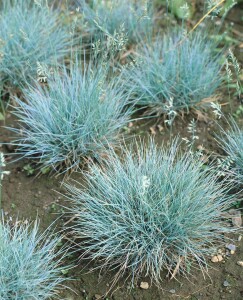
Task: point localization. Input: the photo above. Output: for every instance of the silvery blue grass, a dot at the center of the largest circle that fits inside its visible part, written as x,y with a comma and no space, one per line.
78,116
111,17
30,34
231,141
153,209
30,263
175,73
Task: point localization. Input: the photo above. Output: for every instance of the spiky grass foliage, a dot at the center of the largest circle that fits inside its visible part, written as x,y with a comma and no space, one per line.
231,141
122,19
30,263
30,34
80,115
175,73
154,209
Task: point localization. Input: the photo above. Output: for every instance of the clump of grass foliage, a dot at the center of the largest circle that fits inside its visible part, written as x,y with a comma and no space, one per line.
231,141
153,209
30,36
174,73
124,19
78,116
30,263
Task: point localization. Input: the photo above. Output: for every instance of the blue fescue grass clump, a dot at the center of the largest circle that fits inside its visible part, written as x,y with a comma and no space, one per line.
115,18
231,141
153,209
78,116
30,263
175,73
30,34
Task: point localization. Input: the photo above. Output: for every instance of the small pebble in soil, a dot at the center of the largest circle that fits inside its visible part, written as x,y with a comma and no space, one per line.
152,130
240,263
239,238
97,297
83,291
172,291
160,127
144,285
231,247
216,258
236,217
226,284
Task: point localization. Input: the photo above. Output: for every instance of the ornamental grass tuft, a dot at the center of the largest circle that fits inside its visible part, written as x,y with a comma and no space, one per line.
174,73
30,263
77,117
30,35
151,210
231,141
122,18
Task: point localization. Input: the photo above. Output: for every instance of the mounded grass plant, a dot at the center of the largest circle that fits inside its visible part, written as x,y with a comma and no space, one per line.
30,34
175,73
78,116
123,19
30,263
231,141
153,209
